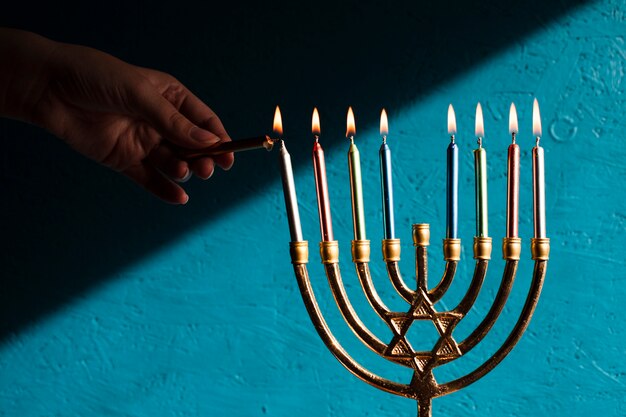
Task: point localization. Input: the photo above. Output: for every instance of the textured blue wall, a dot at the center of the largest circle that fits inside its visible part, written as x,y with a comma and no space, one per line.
114,305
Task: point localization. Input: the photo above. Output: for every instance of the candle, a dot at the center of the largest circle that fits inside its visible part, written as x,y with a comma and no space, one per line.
289,188
480,171
384,155
539,190
452,182
321,185
512,189
356,186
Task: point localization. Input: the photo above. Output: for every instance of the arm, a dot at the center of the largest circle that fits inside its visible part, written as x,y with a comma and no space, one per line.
120,115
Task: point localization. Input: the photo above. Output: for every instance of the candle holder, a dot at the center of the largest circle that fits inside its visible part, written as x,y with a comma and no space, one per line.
423,386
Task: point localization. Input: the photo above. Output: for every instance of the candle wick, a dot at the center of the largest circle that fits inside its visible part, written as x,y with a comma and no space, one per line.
537,139
384,138
452,138
513,136
480,142
317,138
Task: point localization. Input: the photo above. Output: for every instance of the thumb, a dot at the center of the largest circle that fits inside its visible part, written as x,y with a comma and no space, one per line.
170,123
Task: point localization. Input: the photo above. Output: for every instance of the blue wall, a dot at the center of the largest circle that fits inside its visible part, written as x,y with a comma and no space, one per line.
114,304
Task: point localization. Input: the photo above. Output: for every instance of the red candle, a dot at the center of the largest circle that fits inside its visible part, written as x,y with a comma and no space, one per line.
512,189
321,185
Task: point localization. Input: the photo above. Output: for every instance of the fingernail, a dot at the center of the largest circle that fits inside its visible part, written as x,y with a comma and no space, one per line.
186,199
185,177
202,135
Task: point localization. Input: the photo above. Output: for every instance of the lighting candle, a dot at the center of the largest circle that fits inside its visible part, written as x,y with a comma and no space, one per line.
384,154
512,189
452,180
539,186
356,186
480,170
321,185
289,188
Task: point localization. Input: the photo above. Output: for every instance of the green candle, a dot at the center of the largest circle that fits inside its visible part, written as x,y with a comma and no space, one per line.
356,186
480,170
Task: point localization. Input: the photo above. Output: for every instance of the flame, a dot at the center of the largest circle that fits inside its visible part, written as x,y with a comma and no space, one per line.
480,128
451,120
536,119
350,125
278,122
315,122
513,119
384,124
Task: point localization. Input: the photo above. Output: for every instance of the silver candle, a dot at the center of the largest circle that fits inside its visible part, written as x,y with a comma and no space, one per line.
539,183
289,187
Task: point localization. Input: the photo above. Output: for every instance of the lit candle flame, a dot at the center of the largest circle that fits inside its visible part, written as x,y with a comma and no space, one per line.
350,125
480,127
536,119
384,124
451,120
278,123
513,120
315,122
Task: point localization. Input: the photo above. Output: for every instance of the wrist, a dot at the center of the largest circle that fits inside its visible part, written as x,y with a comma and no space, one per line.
24,73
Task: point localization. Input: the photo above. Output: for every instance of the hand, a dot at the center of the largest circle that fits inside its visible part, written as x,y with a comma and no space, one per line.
124,117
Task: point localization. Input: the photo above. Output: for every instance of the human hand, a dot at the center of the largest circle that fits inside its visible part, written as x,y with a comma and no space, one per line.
125,117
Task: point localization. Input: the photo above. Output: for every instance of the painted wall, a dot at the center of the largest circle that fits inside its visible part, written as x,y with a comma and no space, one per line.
113,304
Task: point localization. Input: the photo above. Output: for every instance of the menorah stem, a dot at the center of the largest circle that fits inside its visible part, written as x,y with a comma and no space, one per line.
424,407
421,267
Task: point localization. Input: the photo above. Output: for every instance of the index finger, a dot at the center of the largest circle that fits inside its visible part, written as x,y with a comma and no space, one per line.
202,115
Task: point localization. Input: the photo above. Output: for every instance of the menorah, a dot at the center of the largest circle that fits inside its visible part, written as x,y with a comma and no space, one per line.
423,386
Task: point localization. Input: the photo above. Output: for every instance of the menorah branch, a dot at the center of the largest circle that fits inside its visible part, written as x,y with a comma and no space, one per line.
330,258
423,387
540,249
391,256
361,258
299,258
490,319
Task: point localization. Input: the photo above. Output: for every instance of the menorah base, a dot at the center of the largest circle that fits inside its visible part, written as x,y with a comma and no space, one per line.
423,387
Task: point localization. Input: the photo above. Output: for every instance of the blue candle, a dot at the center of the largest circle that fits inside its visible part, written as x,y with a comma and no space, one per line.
384,155
452,183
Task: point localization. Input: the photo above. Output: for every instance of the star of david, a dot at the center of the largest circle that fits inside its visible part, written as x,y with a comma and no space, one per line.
444,350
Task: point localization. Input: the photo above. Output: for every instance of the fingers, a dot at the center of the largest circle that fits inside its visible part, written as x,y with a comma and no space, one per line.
203,167
152,180
166,119
202,115
163,159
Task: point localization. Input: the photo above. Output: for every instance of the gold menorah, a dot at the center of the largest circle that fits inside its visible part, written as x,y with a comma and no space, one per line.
422,387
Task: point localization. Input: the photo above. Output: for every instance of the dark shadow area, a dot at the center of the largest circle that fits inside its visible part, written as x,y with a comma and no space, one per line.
68,224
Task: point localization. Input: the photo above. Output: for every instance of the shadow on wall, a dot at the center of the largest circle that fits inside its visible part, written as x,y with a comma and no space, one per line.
68,224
